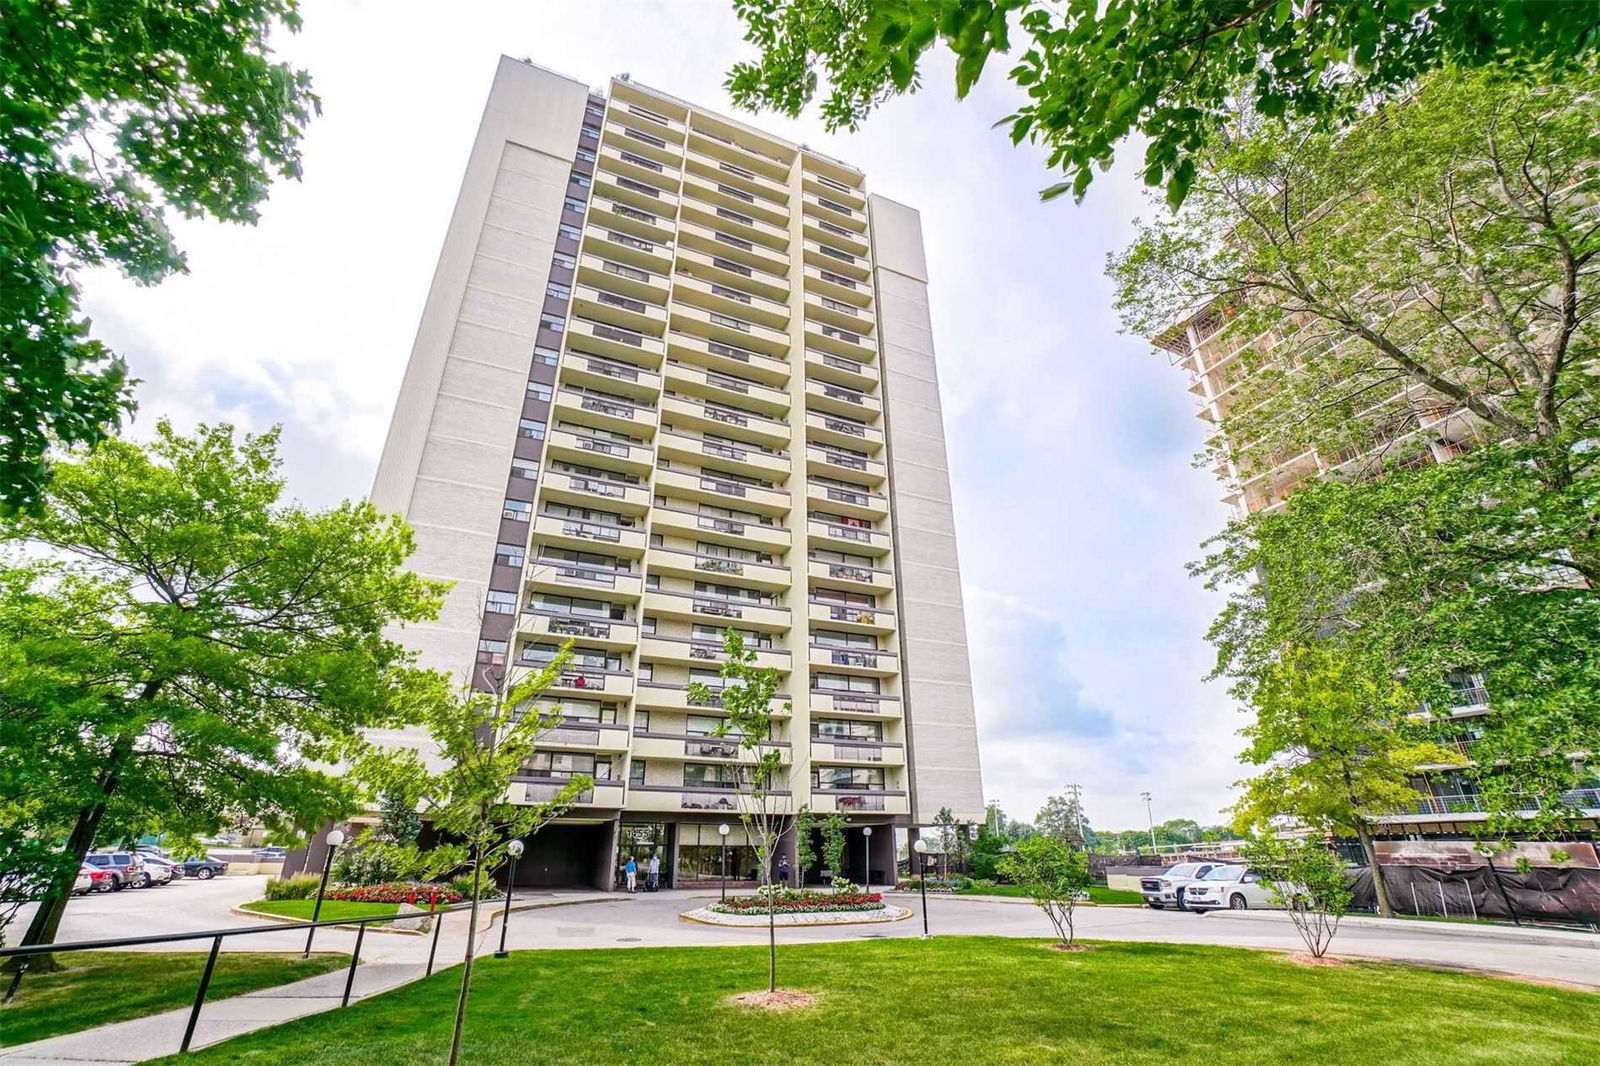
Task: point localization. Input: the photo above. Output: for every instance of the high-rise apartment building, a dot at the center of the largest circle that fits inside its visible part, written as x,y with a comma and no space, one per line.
676,375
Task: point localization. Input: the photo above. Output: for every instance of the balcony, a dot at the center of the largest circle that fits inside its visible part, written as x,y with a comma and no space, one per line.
581,535
837,260
845,192
637,162
857,753
622,278
836,399
685,412
834,208
641,108
848,501
863,661
840,802
738,218
729,299
744,459
741,148
831,283
730,358
602,338
825,231
696,381
848,373
646,225
619,309
582,579
703,607
729,329
861,705
829,615
826,462
845,314
685,521
842,537
1469,808
671,562
610,375
584,490
715,185
588,682
596,632
653,256
849,576
586,734
656,197
659,696
604,794
840,341
694,652
595,409
725,270
578,447
847,432
620,133
717,241
706,486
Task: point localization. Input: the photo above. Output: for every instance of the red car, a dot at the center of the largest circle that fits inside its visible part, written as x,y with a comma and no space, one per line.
92,879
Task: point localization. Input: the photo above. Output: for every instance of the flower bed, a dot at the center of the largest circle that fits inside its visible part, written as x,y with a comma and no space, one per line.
416,893
935,884
802,902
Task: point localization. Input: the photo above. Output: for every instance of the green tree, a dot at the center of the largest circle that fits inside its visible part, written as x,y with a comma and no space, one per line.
805,852
1061,818
1446,310
833,843
987,851
1099,71
110,111
179,645
746,696
1307,879
483,740
1332,733
1053,875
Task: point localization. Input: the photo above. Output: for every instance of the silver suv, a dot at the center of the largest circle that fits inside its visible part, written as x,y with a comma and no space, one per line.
1168,889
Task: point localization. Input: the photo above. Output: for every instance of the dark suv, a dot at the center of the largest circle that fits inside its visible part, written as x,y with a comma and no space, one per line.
204,869
126,868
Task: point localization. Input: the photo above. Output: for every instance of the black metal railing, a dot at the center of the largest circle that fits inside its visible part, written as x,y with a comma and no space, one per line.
217,936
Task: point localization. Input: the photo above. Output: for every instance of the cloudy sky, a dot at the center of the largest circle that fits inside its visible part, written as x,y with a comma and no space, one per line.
1070,444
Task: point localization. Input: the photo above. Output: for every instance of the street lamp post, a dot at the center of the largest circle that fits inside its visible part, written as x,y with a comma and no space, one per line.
1149,814
334,839
513,849
866,849
919,847
722,831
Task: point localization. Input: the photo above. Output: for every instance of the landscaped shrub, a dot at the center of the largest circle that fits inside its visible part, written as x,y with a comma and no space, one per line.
792,901
981,883
463,886
416,893
361,865
935,884
300,886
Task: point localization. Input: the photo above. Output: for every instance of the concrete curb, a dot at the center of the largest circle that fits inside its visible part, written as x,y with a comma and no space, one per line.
1509,933
283,919
489,910
1009,899
707,916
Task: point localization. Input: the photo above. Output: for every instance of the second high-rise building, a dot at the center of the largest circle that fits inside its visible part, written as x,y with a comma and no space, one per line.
675,375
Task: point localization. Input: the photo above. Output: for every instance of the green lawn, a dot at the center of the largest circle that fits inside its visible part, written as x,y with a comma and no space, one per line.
108,986
332,909
945,1000
1097,893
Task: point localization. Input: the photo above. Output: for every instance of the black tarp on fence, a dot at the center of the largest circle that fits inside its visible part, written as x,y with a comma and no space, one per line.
1541,894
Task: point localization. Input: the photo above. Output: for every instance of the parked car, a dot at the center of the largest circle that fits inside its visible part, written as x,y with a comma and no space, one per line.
1235,887
205,869
126,867
84,881
271,853
1169,889
163,871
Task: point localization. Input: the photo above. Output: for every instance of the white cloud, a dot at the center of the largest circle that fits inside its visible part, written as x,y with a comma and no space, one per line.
1069,444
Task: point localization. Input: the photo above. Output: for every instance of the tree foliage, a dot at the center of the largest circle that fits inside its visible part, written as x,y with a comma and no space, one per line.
111,111
1054,876
179,647
1061,819
833,844
1096,72
1307,879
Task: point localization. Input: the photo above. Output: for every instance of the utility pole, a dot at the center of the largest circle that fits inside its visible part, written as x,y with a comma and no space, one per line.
1151,816
1076,792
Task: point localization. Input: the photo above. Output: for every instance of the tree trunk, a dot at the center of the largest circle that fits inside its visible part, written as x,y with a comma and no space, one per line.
466,970
772,931
53,907
1379,888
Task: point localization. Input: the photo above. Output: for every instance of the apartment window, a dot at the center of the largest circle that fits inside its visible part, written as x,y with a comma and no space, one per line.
578,710
647,671
538,390
843,683
562,259
498,602
589,132
586,155
531,428
547,356
652,581
557,291
492,652
565,764
527,469
581,181
517,510
641,721
839,729
574,204
836,639
553,323
595,110
636,770
849,777
710,775
647,625
571,233
509,554
837,279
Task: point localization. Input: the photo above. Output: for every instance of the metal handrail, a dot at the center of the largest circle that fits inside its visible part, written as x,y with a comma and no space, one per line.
216,936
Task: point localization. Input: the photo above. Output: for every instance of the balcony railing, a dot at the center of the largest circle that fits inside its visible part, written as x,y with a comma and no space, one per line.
710,801
592,531
1579,799
849,573
719,566
853,658
721,610
711,749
